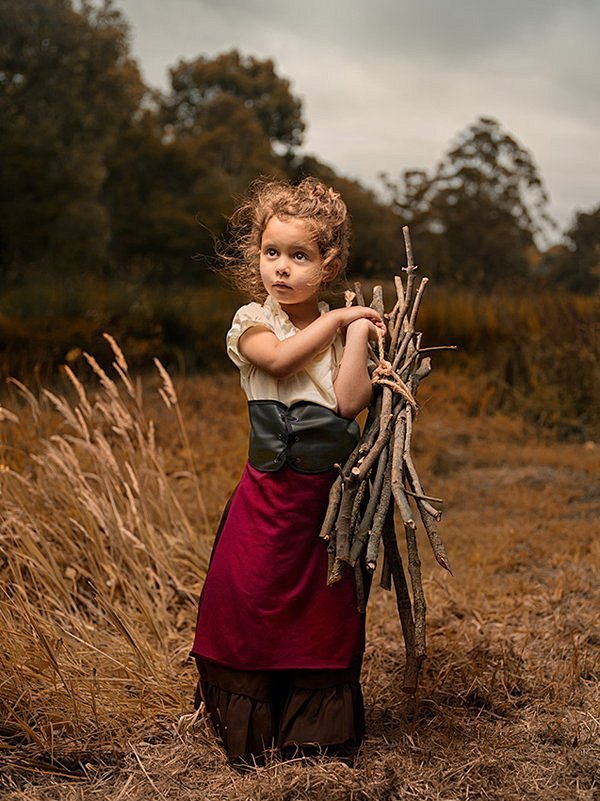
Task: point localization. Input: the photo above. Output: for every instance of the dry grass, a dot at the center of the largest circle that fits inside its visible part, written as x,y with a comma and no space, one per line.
536,353
102,564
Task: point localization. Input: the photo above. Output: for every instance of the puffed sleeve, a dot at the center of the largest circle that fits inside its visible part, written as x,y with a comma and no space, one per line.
245,317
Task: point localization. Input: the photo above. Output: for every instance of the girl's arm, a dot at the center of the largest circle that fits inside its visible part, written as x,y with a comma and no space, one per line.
352,386
282,358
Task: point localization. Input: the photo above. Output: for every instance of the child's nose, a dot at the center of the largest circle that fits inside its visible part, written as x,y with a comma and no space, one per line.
282,265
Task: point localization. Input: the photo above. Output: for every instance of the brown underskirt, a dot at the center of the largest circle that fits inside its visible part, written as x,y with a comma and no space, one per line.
253,711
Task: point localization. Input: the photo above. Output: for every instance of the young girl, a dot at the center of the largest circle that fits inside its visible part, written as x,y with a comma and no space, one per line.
279,653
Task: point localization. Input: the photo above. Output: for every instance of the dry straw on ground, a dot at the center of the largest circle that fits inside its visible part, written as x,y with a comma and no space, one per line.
104,536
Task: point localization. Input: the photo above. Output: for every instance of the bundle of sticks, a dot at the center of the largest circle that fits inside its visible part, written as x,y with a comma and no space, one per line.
380,475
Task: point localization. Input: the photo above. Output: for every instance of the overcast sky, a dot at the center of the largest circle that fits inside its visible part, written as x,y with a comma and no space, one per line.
387,84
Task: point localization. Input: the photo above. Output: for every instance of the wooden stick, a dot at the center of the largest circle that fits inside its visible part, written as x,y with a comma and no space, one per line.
408,247
423,497
422,372
330,556
357,507
342,524
335,494
336,572
438,347
360,587
360,472
379,518
360,298
410,267
417,303
414,478
391,317
437,546
414,569
386,572
402,347
377,302
404,297
403,603
362,533
397,472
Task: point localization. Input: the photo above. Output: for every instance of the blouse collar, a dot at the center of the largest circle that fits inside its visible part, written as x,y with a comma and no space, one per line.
275,308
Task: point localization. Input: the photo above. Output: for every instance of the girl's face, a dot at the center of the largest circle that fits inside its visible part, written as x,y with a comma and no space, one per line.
290,262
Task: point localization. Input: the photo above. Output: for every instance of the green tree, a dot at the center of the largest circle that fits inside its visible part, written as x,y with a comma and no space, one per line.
236,113
166,204
176,170
575,265
199,87
66,86
479,214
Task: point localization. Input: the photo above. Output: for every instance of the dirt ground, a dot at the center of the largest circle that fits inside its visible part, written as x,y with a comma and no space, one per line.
508,706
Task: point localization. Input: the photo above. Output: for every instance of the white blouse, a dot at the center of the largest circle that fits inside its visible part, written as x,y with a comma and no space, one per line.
313,383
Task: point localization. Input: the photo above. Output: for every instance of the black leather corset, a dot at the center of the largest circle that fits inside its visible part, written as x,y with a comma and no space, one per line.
307,436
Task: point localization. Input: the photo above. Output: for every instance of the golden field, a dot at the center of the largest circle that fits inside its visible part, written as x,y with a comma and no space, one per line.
535,353
110,493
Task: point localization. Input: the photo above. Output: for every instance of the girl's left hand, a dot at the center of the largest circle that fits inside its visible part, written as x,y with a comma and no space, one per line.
365,326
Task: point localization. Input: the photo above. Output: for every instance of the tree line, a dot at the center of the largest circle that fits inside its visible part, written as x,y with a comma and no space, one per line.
104,175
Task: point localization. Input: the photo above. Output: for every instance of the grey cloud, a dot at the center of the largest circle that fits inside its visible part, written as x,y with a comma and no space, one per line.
454,29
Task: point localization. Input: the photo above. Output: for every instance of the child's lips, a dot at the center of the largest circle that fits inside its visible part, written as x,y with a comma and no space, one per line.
281,285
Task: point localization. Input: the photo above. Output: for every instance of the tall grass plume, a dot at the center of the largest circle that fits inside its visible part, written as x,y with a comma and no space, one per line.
98,558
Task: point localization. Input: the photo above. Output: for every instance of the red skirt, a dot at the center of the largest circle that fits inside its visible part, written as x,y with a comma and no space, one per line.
265,604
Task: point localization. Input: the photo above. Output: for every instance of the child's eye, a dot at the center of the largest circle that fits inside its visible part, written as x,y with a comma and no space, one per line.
300,256
270,252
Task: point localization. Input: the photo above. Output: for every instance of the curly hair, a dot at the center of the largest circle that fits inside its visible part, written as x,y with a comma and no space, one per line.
310,200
